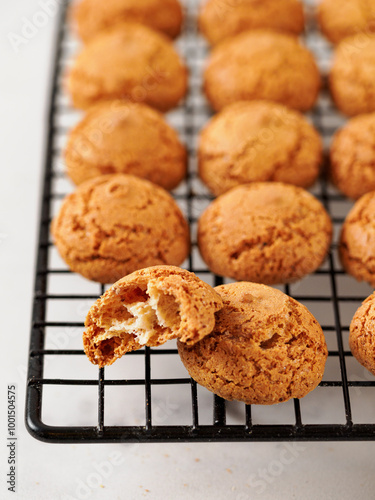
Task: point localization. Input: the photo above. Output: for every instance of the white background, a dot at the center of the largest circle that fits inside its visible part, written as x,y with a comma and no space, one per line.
183,471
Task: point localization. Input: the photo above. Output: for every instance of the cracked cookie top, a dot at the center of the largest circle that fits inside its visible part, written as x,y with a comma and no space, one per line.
128,138
265,232
130,62
362,334
357,240
115,224
220,19
258,141
265,348
352,75
340,19
149,307
352,157
262,64
94,16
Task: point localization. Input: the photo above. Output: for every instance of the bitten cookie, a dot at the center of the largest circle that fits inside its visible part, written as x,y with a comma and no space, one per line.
362,334
262,65
265,233
94,16
120,137
352,76
339,19
149,307
352,155
357,241
258,141
266,348
220,19
115,224
131,62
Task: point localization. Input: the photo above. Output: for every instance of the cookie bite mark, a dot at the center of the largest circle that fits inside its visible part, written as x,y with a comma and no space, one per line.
149,307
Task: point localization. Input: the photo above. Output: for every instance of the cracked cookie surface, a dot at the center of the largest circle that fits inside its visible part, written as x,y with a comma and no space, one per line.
352,157
352,76
266,347
219,20
265,233
130,62
339,19
115,224
258,141
127,138
262,64
362,334
149,307
357,240
94,16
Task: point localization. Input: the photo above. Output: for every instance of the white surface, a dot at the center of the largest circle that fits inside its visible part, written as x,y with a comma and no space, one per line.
210,471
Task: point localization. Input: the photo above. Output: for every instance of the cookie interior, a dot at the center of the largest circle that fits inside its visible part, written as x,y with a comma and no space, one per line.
139,315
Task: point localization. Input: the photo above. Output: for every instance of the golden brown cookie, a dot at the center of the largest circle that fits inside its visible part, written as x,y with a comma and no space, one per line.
220,19
362,334
339,19
115,224
357,241
149,307
352,76
262,65
121,137
258,141
352,155
266,348
265,232
94,16
131,62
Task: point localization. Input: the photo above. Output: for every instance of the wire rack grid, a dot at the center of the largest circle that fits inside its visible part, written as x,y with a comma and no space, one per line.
147,395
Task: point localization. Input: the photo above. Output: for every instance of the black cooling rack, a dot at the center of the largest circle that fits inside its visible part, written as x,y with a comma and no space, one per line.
148,396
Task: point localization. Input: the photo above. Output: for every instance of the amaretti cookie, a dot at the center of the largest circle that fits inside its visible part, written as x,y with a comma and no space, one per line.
258,141
339,19
220,19
352,76
115,224
128,138
352,157
266,348
93,16
265,232
131,62
262,64
357,241
149,307
362,334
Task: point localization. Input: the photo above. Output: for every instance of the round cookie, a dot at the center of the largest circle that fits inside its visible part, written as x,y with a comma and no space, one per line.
258,141
265,233
262,64
149,307
266,348
354,95
219,19
131,62
93,16
128,138
352,157
115,224
339,19
362,334
357,241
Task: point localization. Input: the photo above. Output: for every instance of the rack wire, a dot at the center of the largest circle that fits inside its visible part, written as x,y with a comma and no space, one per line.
147,396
